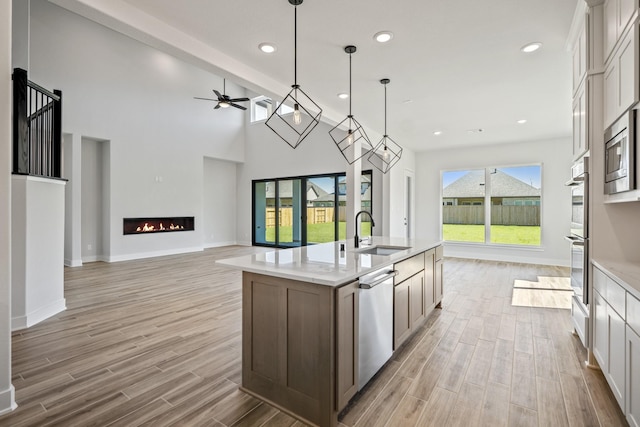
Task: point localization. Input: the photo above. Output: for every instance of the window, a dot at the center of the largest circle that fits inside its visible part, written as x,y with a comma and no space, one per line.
261,108
285,215
492,205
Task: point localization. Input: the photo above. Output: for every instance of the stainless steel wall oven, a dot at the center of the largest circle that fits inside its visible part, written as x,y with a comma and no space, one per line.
579,239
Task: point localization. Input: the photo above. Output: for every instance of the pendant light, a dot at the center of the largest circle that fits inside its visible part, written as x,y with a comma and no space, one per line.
387,152
297,114
349,135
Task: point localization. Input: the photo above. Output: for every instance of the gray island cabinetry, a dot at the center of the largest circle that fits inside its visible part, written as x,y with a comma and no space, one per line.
300,319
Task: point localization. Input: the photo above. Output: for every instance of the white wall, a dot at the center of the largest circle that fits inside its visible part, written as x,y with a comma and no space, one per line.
219,202
555,157
141,100
37,249
7,400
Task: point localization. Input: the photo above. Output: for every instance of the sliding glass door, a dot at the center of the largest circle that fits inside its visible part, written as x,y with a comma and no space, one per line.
289,212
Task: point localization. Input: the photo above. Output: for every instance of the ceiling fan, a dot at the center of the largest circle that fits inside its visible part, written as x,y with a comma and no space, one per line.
224,101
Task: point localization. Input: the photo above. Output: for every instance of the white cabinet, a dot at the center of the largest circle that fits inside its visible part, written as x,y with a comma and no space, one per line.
580,145
600,330
633,378
608,345
616,342
621,77
618,14
616,371
579,55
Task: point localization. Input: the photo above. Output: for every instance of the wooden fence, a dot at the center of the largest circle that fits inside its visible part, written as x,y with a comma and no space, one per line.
500,215
317,215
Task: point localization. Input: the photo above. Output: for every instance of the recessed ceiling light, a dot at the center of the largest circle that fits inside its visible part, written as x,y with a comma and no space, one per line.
343,95
531,47
522,121
267,47
438,132
383,36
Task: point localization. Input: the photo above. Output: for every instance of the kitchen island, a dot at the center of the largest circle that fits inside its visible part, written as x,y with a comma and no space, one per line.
300,318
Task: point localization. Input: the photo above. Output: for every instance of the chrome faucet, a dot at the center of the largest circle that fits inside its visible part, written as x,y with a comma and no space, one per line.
356,239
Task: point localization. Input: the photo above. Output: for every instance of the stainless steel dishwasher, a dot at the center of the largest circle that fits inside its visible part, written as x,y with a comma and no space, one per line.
375,323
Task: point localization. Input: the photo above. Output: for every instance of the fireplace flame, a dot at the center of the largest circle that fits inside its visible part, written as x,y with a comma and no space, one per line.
151,228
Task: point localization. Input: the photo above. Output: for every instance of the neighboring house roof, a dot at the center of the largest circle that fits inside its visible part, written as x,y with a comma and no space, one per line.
286,187
502,185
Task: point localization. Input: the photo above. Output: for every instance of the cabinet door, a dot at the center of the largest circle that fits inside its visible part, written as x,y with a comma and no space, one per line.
627,58
401,313
610,26
610,93
617,360
579,58
601,331
429,288
347,312
417,300
438,281
633,378
626,11
579,122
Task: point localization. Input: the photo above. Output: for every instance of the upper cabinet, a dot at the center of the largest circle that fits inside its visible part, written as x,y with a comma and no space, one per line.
621,79
579,53
618,14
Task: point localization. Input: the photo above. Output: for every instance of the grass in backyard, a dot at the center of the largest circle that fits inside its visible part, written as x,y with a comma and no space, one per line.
504,234
316,233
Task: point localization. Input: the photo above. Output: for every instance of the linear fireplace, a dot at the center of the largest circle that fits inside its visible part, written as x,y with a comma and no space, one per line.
157,225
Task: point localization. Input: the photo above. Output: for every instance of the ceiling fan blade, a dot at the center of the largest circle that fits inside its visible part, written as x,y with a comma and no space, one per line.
218,94
216,107
238,99
206,99
238,106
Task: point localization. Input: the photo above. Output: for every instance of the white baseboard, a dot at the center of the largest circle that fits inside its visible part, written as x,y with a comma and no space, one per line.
208,245
242,243
37,316
73,262
143,255
8,400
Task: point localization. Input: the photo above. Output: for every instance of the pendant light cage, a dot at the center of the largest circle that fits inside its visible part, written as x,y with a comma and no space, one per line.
297,115
388,152
348,135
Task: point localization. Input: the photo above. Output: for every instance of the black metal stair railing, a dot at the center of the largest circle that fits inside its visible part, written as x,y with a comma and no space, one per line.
37,128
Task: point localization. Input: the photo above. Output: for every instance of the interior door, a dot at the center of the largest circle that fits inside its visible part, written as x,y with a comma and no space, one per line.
409,178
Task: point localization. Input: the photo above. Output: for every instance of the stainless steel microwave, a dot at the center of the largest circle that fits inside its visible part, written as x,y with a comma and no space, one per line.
619,163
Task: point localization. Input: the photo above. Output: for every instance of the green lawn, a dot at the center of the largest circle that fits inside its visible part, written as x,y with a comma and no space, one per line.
506,234
316,233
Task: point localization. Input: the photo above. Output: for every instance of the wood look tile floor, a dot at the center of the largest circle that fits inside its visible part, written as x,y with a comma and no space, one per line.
156,342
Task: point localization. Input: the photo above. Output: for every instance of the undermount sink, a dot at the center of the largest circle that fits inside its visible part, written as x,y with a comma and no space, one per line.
382,250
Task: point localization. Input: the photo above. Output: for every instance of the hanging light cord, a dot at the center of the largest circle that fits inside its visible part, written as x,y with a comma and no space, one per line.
385,116
349,85
295,46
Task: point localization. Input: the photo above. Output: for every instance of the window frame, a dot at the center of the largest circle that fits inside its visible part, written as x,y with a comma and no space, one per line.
487,203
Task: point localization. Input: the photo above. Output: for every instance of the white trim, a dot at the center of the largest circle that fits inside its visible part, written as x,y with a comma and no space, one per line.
8,400
73,262
219,244
142,255
43,313
243,243
58,181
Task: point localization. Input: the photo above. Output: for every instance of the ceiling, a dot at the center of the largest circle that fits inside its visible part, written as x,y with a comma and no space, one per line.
454,66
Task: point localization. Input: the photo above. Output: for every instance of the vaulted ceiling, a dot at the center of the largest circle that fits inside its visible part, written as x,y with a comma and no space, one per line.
455,66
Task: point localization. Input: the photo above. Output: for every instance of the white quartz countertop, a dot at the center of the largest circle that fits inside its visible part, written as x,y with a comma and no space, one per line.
324,263
625,273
